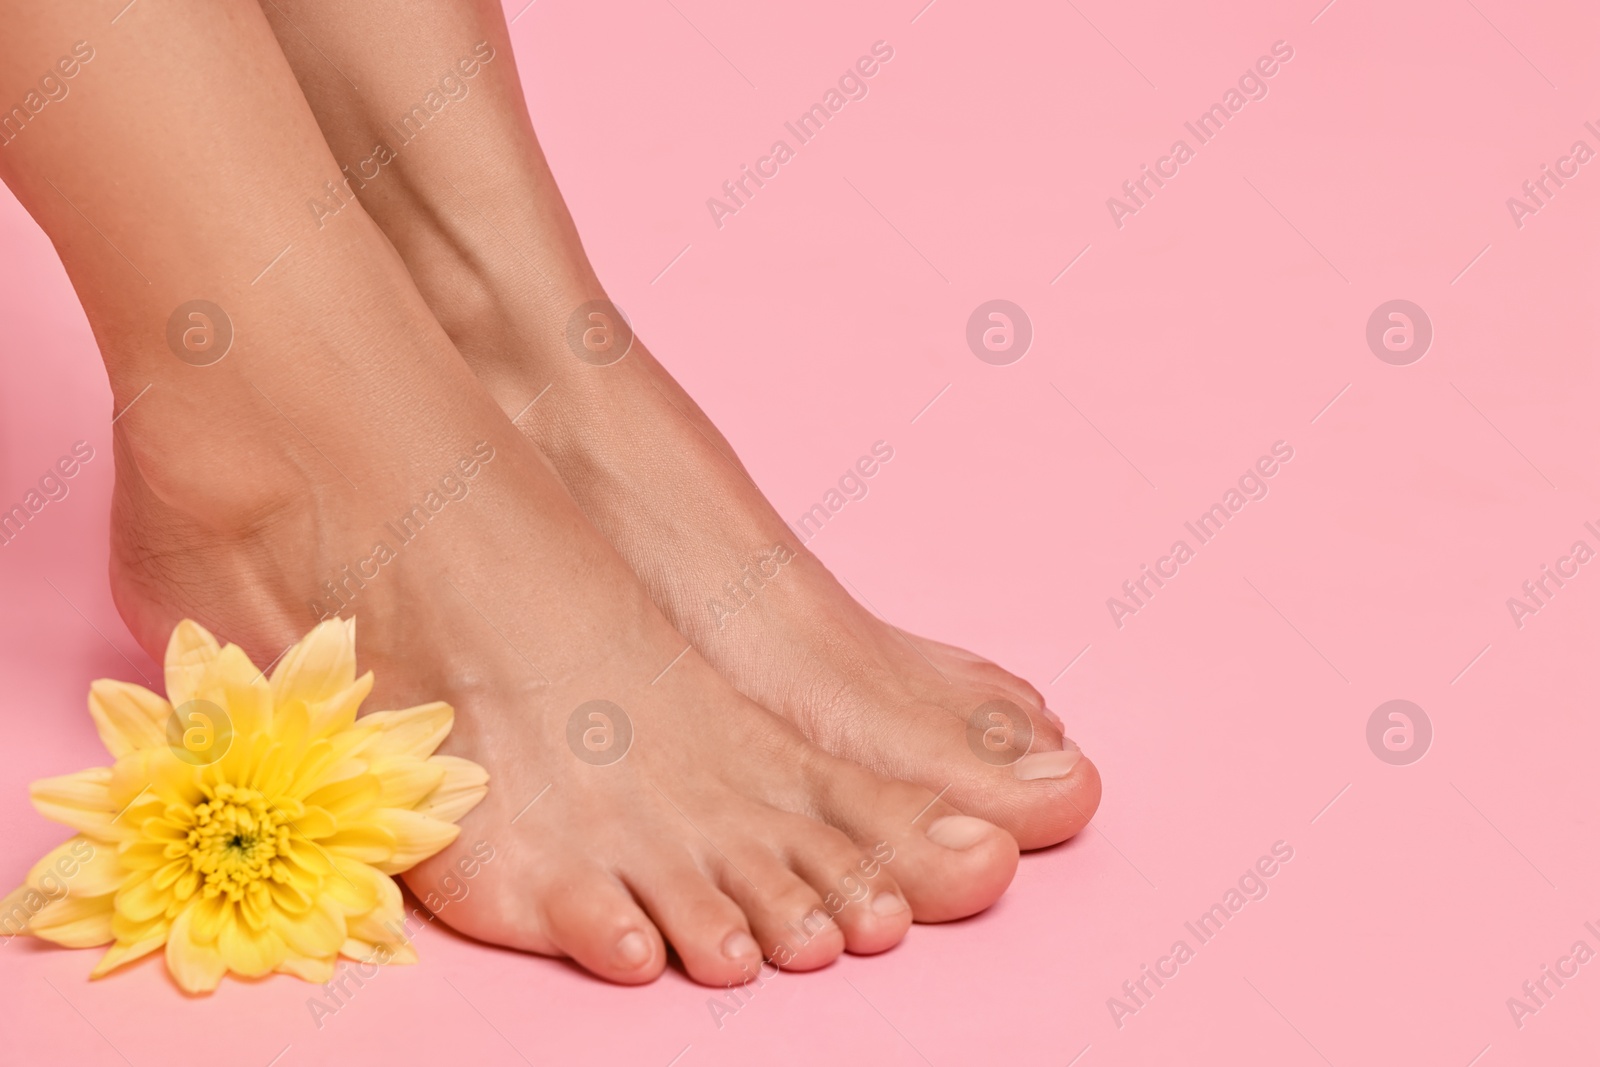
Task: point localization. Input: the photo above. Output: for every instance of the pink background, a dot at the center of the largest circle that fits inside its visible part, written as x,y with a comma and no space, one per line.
1221,318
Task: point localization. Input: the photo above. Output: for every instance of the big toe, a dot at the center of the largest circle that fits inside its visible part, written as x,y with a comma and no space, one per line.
947,864
1004,764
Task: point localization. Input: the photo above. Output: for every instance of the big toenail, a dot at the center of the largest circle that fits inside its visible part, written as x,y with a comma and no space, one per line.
887,904
1048,764
740,946
958,831
633,950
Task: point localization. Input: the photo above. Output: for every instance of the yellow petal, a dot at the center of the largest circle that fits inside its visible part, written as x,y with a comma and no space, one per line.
290,899
317,971
416,837
318,933
307,856
81,801
126,952
358,888
412,732
234,684
129,932
174,782
465,783
387,923
207,917
250,952
398,953
291,725
321,664
405,779
140,900
338,711
275,771
76,922
190,651
367,842
197,968
315,823
79,866
348,800
129,717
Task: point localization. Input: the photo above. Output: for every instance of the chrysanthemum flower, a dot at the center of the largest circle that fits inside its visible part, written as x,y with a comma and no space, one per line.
248,824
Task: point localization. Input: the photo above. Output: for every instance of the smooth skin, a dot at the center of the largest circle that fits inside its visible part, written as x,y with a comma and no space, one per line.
473,209
178,167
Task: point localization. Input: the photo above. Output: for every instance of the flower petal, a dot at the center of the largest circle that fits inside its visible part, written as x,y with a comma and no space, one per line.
128,951
399,952
140,900
129,717
190,651
207,917
387,923
338,711
76,922
317,971
197,968
405,779
349,800
318,933
81,801
416,837
321,664
465,783
233,683
86,868
367,842
358,888
410,732
250,952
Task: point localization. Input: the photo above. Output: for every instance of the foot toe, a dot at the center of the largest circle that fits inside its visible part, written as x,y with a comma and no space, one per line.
856,889
706,928
786,914
594,919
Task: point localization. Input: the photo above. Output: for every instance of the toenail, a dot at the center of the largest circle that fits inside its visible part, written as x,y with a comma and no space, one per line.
1053,719
1048,764
633,951
958,831
740,945
887,904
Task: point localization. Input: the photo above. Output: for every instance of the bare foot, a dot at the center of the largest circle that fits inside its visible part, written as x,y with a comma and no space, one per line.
338,456
497,258
637,799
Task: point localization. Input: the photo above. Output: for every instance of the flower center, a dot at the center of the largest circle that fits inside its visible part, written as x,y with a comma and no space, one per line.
236,839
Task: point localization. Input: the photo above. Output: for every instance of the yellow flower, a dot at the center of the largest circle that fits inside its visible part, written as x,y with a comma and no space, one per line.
248,824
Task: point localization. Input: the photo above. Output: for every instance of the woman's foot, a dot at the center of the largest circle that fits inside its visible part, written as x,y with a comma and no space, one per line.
496,256
311,444
719,829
